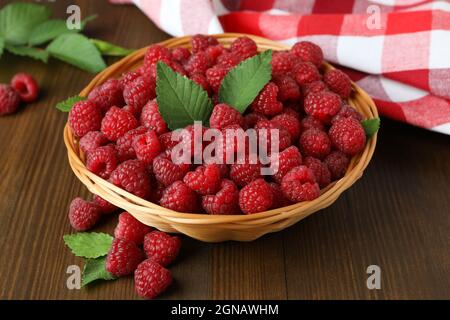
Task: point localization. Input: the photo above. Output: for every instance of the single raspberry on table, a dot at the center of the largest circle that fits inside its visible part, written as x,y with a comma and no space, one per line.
200,42
228,60
308,51
138,93
315,143
279,200
156,53
131,229
197,63
147,146
117,122
288,88
224,115
314,87
347,112
225,201
84,117
166,171
243,174
127,78
152,119
109,94
204,180
104,206
320,170
9,100
286,160
309,122
282,63
256,197
299,185
348,136
83,215
124,144
132,176
215,75
265,130
180,54
338,82
161,247
244,47
323,105
92,140
305,73
151,279
266,102
201,80
26,87
337,163
123,258
102,161
290,123
179,197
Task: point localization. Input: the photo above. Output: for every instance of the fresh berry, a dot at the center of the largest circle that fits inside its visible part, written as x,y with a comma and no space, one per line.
215,76
306,73
201,42
151,279
166,171
104,206
197,63
265,130
228,60
299,185
256,197
285,162
243,174
128,78
123,258
92,140
117,122
290,123
156,53
138,93
131,229
323,105
337,163
157,191
315,143
282,63
314,87
102,161
83,215
147,146
288,88
200,79
167,143
9,100
152,119
266,102
244,47
225,201
124,144
347,112
223,115
108,95
308,51
279,200
26,87
310,122
179,197
84,117
180,54
213,52
204,180
291,109
132,176
161,247
348,136
252,118
338,82
320,170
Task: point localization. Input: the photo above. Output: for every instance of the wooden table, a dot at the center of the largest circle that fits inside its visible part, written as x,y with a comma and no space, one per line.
396,216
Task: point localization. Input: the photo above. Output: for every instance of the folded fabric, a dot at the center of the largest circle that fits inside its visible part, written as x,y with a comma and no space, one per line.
396,50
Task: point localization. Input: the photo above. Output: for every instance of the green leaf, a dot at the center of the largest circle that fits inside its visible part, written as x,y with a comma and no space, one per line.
49,30
77,50
371,126
109,49
66,105
89,245
244,82
2,46
17,21
181,101
30,52
95,269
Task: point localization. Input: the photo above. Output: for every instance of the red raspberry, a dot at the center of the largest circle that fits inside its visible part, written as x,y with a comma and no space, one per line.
132,176
228,60
124,144
104,206
204,180
308,51
310,122
320,170
128,78
123,258
252,118
92,140
131,229
291,110
156,53
256,197
287,160
223,115
213,52
225,201
200,79
284,138
108,95
181,54
157,192
299,185
348,136
166,141
102,161
288,88
161,247
243,174
9,100
201,42
215,75
266,102
279,200
152,119
314,87
197,63
26,87
84,116
147,146
323,105
337,163
166,171
282,63
179,197
290,123
151,279
338,82
347,112
138,93
83,215
315,143
244,47
117,122
306,73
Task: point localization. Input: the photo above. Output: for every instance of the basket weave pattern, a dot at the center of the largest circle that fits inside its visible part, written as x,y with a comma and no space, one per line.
211,228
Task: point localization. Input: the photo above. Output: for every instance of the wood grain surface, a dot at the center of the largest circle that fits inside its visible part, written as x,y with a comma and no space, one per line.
396,216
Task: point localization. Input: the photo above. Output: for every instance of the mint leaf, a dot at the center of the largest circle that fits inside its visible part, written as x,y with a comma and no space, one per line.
67,104
109,49
17,21
77,50
371,126
30,52
95,269
2,46
49,30
244,82
181,101
89,245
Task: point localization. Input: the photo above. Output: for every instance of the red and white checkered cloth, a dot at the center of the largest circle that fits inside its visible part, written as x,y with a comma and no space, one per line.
397,50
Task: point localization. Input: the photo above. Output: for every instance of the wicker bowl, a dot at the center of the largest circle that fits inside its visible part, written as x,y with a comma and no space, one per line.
210,228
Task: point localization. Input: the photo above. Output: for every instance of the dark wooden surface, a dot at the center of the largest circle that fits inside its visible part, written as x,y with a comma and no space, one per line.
396,216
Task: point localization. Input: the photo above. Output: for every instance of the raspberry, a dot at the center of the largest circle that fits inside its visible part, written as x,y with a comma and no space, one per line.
337,163
244,47
124,144
151,279
108,95
308,51
243,174
200,79
225,201
156,53
138,93
132,176
347,112
179,197
117,122
315,143
266,102
161,247
282,63
102,161
123,258
279,200
197,63
147,146
320,170
215,76
306,73
84,116
290,123
256,197
284,138
158,189
9,100
166,141
26,87
291,110
83,215
287,160
323,105
204,180
228,60
348,136
252,118
338,82
288,88
166,171
299,185
152,119
201,42
213,52
128,78
310,122
180,54
92,140
223,115
131,229
104,206
314,87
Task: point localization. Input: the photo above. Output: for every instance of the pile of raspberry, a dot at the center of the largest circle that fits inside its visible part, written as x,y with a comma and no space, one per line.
127,142
22,89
